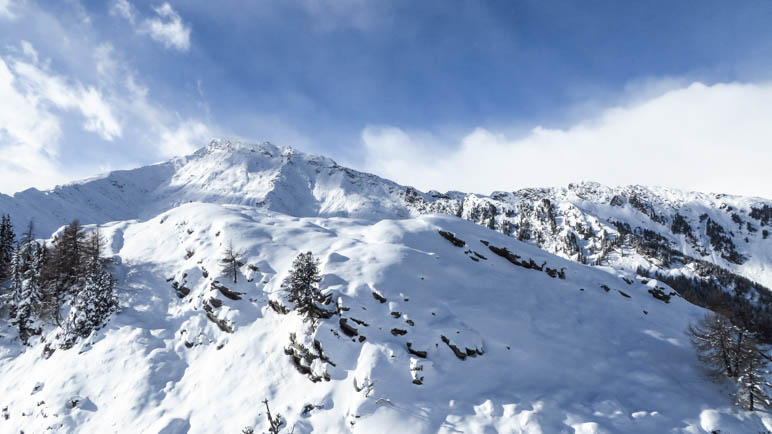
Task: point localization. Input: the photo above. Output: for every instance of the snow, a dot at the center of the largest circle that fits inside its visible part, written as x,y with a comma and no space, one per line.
284,180
541,354
554,358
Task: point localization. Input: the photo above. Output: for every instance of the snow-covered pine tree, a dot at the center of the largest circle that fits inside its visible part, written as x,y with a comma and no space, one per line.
64,271
95,299
7,244
28,296
231,262
67,254
302,290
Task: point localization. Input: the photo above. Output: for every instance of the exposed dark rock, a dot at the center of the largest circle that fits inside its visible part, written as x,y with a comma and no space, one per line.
225,291
278,307
360,322
659,294
180,289
617,200
460,354
479,255
379,297
347,329
417,353
452,238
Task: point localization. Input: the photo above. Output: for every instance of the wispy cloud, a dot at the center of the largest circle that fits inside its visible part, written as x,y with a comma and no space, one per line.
30,125
40,105
5,9
166,27
707,138
124,9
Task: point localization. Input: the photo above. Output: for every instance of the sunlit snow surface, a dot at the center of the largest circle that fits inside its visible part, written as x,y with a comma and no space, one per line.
555,358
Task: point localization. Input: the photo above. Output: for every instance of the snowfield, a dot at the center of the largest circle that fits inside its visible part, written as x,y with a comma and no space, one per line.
540,353
444,321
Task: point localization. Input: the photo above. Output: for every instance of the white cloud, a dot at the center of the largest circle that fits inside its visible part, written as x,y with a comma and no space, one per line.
124,9
106,65
708,138
188,136
167,28
30,125
56,90
28,137
5,9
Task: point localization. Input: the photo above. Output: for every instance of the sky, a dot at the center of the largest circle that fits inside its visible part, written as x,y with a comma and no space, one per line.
446,95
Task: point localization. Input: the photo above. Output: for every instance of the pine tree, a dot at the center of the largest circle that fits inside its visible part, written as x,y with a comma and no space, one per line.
67,254
28,296
65,270
91,307
302,290
231,262
7,241
95,299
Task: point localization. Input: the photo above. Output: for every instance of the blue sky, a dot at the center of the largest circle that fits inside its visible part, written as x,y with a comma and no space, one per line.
509,86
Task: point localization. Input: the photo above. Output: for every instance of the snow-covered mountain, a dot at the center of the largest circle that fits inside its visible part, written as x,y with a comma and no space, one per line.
537,323
586,222
721,241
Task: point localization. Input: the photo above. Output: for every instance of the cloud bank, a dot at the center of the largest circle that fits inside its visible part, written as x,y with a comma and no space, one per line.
714,138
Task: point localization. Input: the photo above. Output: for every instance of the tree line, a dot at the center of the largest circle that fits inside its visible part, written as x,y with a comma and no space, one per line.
65,283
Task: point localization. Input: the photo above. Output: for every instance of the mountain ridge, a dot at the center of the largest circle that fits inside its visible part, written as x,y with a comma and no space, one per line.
586,222
541,310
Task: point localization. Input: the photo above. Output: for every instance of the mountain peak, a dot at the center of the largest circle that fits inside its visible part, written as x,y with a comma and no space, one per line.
218,145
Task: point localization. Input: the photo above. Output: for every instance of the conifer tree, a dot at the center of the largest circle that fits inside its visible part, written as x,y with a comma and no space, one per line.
65,270
7,241
28,296
302,288
95,299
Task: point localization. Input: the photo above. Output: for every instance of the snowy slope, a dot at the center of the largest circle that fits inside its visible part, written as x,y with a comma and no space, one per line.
549,354
586,222
261,175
